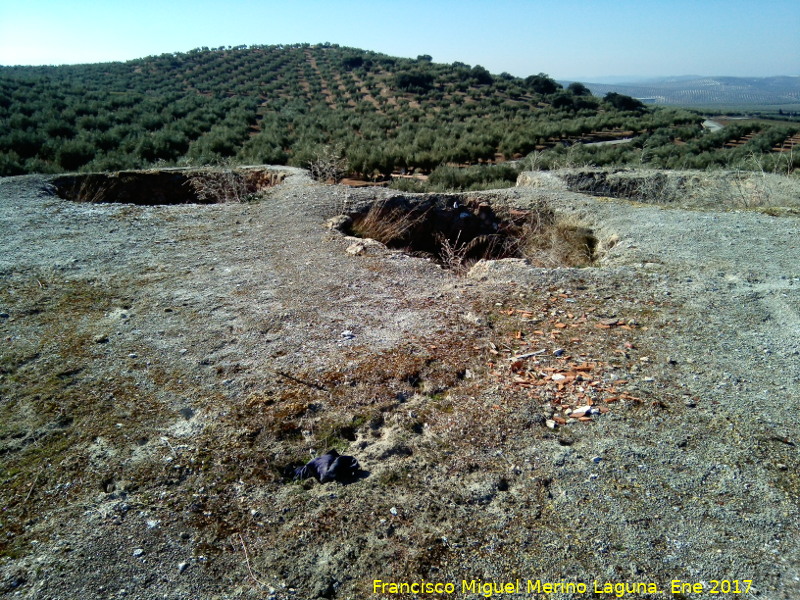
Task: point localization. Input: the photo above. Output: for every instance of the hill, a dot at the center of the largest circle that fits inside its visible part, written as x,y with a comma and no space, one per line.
359,112
277,104
711,91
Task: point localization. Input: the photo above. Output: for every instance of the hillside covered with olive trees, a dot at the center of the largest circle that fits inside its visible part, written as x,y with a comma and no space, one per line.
369,114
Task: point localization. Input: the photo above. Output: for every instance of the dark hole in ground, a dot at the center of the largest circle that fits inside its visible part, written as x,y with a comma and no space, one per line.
459,231
166,187
622,183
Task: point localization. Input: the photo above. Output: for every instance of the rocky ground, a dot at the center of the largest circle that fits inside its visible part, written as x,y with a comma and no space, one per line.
164,368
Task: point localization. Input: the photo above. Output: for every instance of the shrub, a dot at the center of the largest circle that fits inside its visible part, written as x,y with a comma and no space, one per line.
73,154
474,178
220,186
414,82
10,164
328,163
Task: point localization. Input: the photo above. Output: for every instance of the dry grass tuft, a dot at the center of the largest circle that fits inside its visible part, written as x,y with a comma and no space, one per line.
221,186
550,242
453,254
565,243
386,224
536,235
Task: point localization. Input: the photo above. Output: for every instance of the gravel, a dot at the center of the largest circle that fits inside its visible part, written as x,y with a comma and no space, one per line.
156,327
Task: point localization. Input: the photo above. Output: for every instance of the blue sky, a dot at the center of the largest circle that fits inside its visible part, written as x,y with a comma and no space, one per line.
579,39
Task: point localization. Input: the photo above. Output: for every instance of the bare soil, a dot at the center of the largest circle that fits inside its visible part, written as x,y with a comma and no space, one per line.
164,368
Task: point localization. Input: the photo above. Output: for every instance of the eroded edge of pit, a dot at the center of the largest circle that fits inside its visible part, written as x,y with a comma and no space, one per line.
169,186
458,230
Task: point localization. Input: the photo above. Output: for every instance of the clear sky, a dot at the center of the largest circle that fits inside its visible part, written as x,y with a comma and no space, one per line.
567,39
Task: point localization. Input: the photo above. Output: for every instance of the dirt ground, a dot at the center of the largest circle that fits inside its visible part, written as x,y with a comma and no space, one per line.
164,368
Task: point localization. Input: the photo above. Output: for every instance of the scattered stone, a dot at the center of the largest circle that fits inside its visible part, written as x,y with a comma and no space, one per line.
347,334
138,552
4,315
581,411
356,249
133,355
364,246
101,339
596,459
473,319
505,269
182,567
613,322
340,223
393,510
118,313
550,423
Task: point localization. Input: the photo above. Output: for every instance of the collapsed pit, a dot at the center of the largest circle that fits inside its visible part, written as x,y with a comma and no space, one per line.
168,186
458,232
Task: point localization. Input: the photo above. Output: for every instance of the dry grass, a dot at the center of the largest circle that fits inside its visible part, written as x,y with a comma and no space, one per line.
550,242
536,235
452,254
329,164
386,224
221,186
564,243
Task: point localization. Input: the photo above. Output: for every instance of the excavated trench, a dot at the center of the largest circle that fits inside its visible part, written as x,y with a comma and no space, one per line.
167,187
622,184
458,231
453,229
